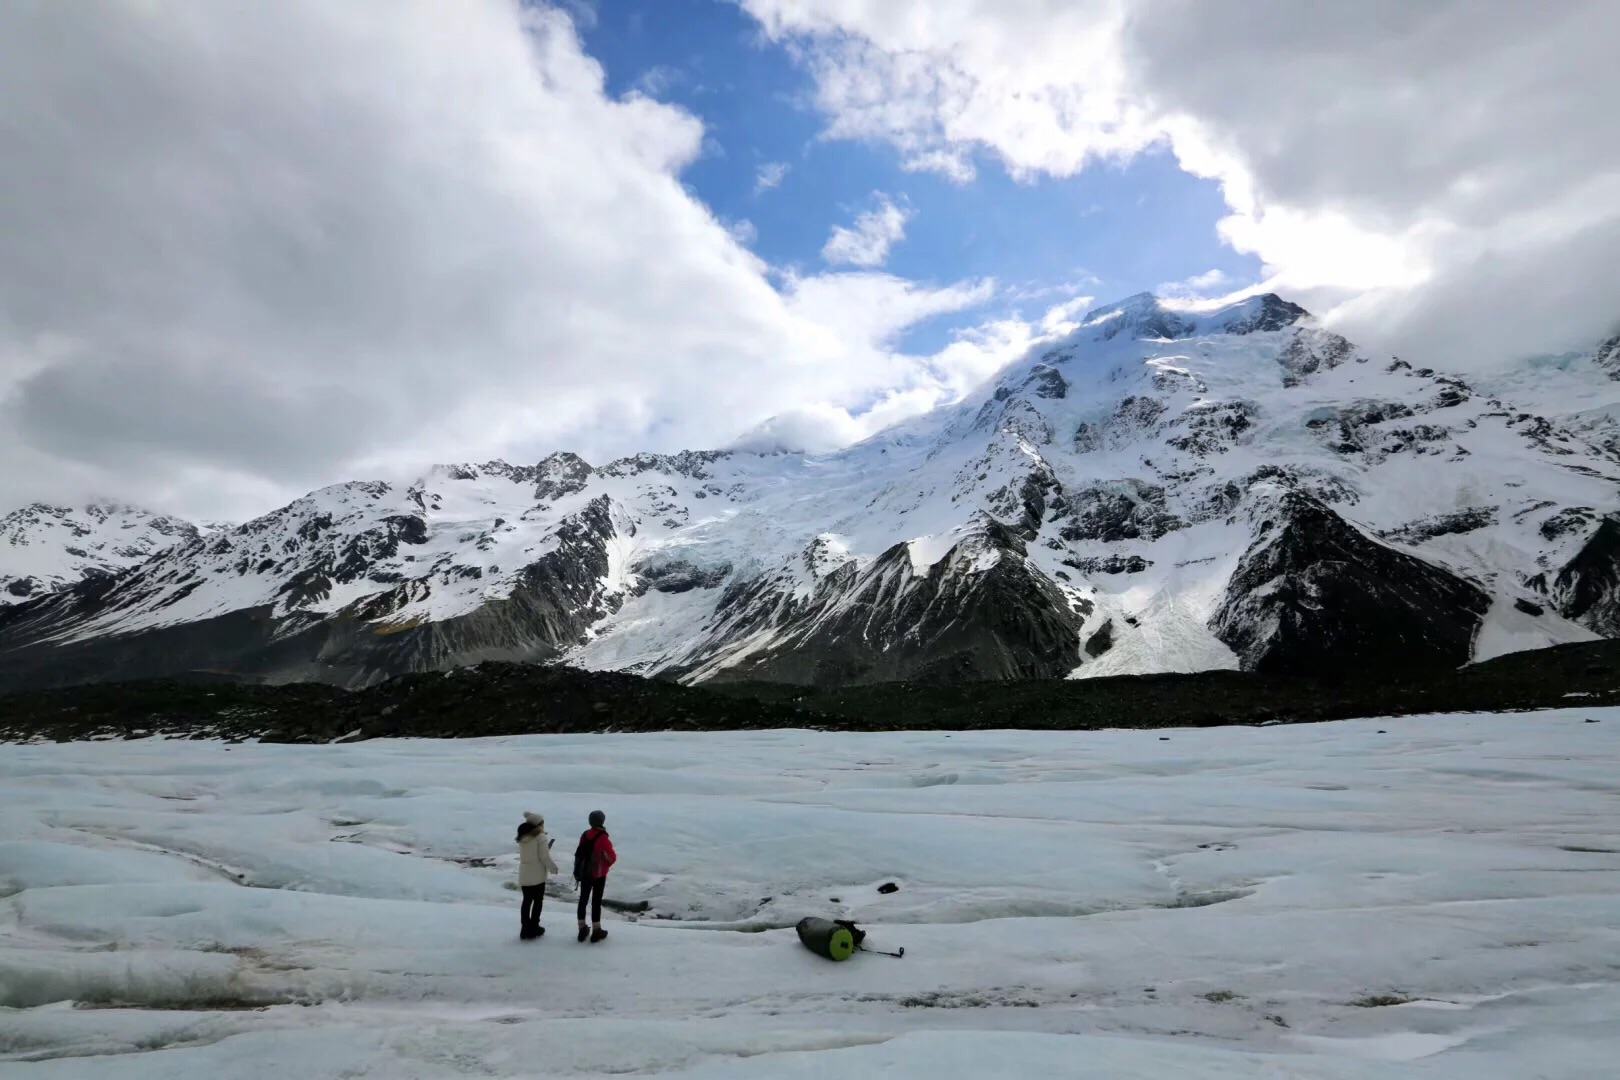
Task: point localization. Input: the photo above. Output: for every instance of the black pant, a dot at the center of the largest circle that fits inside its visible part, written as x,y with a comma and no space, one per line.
590,892
533,897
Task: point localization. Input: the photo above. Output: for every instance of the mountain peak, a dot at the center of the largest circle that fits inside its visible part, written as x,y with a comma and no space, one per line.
50,547
1144,316
1130,305
561,473
1140,316
1257,314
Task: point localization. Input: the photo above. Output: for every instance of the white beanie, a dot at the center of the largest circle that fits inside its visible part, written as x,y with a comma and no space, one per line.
533,818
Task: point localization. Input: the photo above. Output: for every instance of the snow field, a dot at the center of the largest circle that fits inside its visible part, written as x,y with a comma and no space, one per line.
1322,901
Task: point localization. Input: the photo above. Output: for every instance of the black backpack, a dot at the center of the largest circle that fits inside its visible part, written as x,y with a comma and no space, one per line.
583,856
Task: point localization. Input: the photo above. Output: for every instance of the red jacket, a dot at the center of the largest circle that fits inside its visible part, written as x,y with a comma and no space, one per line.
601,853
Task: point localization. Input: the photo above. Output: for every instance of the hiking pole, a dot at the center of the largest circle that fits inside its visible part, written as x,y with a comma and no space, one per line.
880,952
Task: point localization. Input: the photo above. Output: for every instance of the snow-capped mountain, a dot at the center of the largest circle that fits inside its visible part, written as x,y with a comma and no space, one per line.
1163,490
44,548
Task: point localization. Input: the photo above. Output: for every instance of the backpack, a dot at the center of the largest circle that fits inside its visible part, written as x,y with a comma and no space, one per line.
584,855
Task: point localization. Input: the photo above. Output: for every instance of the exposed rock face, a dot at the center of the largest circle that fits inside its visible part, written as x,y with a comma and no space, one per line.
1314,594
1569,520
1587,589
679,576
1453,524
1607,357
1101,640
1213,427
1135,419
1112,564
1124,510
1310,351
980,612
1273,313
1046,382
688,463
561,474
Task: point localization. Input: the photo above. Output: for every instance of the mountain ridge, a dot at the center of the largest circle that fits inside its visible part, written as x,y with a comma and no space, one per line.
45,547
1105,505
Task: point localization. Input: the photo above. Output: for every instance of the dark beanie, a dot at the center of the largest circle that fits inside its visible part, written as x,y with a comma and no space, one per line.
598,819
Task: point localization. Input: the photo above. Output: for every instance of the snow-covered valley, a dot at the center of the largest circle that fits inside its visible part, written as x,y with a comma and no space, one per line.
1425,897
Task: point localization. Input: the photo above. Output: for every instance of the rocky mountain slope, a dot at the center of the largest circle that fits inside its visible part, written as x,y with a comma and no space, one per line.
1163,490
44,548
495,699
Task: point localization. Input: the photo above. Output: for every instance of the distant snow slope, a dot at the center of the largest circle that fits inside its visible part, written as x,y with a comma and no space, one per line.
1432,897
1162,490
44,548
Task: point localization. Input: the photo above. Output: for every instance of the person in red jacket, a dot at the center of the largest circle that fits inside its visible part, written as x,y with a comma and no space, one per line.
592,860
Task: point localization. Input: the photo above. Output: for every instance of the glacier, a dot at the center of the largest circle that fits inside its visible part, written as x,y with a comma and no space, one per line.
1433,897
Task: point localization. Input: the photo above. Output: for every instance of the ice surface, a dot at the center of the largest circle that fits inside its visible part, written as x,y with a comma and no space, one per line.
1425,897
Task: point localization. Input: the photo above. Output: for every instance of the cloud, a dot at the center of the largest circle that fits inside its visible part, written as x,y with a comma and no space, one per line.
1410,168
743,231
807,429
256,249
1196,286
1060,318
974,355
658,80
877,307
868,243
1037,82
583,12
770,175
1042,290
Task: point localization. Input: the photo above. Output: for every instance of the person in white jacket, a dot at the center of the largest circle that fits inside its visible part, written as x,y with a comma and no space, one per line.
534,864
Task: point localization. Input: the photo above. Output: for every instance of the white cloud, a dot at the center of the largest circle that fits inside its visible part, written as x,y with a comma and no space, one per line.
877,307
1428,161
583,12
874,233
974,355
770,175
1036,290
659,80
1060,318
1196,286
252,249
743,231
1038,82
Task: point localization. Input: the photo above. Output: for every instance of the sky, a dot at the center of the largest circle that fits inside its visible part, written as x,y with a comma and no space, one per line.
255,249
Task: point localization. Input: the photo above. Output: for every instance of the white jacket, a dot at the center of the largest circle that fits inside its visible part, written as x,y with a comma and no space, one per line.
534,854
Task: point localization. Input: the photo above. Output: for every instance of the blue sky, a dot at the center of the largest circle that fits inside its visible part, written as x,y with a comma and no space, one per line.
1109,232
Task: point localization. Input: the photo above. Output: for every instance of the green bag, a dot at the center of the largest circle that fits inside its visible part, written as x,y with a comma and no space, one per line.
834,940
